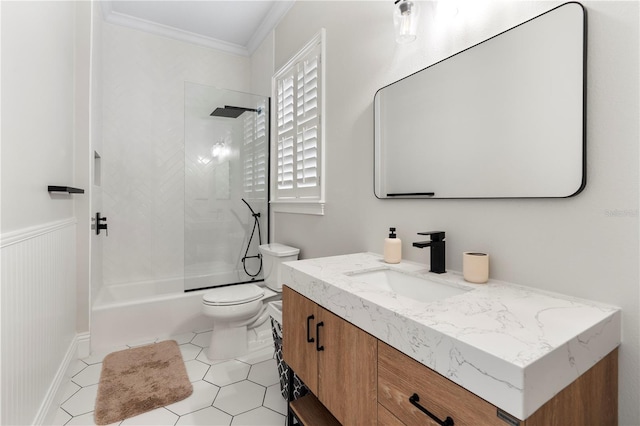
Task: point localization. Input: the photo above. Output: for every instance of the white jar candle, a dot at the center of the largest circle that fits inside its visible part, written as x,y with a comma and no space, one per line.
475,267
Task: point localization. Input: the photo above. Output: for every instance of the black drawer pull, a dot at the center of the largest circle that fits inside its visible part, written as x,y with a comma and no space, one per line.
413,399
309,338
318,325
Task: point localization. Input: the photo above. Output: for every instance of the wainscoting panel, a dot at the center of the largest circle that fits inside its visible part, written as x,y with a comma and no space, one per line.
38,306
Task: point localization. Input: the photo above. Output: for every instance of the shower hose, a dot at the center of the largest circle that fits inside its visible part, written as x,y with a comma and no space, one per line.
256,224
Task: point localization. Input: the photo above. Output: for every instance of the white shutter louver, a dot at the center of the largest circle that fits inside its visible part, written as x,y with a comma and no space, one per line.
260,149
307,113
255,159
285,131
298,128
248,154
297,164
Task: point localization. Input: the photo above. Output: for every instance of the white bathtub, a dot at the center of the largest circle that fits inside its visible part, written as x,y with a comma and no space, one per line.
145,311
135,292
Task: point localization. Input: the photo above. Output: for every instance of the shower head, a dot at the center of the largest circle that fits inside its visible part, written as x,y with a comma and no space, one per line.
232,111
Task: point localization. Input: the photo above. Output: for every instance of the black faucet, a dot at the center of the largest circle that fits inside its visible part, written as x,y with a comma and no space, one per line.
437,250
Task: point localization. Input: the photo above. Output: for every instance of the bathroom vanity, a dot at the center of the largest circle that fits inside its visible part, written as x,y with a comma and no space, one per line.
373,350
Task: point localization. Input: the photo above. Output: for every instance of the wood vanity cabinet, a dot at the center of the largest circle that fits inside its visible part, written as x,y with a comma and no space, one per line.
335,359
364,381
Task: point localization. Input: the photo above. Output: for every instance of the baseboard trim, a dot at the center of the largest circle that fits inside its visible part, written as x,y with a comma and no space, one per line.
84,345
78,348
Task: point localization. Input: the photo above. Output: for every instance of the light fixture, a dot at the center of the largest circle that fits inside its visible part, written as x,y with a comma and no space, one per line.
405,20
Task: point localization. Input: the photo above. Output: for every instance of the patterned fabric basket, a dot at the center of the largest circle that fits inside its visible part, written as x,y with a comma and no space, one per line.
299,388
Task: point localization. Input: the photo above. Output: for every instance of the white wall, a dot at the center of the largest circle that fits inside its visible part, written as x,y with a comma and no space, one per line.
262,67
96,148
38,289
82,161
578,246
143,146
37,130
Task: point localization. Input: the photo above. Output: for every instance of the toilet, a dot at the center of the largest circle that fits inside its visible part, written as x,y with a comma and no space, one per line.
239,308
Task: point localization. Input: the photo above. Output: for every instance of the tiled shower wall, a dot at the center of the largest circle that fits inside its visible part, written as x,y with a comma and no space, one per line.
143,146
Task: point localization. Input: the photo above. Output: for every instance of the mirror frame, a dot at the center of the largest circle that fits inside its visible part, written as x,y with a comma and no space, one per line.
429,195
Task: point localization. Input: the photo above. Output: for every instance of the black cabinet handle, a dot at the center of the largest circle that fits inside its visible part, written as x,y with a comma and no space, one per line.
318,325
309,338
413,399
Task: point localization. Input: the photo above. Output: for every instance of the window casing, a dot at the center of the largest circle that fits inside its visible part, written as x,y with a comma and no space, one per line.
297,165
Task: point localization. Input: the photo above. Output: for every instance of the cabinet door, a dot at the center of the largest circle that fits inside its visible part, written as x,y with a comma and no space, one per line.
299,317
347,370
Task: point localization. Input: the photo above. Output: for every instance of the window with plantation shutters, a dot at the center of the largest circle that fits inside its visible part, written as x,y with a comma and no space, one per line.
297,156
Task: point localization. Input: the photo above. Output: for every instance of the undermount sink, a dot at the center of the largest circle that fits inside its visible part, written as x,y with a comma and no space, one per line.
421,289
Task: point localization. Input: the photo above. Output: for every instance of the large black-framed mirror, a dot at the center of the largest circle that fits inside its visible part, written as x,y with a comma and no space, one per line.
504,118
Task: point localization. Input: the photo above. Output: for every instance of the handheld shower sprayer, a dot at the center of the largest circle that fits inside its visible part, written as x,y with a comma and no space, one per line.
252,212
256,224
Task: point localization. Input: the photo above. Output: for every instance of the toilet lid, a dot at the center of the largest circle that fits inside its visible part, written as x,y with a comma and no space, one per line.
233,295
278,250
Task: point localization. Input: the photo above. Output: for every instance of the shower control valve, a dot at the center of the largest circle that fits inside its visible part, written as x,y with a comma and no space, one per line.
100,225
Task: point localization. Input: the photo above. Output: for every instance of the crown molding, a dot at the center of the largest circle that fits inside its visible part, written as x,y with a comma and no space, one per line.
112,17
273,18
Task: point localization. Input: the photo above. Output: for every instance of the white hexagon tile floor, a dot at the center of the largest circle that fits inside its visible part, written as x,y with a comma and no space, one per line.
242,391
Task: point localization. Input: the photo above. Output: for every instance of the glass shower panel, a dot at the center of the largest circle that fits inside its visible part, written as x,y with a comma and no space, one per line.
226,186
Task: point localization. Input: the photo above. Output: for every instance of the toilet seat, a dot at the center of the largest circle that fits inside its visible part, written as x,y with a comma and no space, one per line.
233,295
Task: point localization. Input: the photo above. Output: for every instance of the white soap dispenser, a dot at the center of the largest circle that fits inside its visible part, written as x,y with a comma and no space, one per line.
392,247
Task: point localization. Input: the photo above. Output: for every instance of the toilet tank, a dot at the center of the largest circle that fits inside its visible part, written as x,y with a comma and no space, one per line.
272,257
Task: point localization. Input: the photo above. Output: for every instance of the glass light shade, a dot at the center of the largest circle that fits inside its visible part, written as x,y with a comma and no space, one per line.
405,20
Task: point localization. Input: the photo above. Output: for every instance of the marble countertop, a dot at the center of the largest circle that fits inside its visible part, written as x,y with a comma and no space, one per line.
514,346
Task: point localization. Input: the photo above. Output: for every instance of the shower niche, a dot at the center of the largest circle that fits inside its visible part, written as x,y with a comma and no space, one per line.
226,186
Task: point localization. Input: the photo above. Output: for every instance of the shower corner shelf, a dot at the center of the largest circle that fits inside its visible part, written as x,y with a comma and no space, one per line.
68,189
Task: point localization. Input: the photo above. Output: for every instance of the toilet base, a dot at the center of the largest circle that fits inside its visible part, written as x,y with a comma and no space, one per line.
227,342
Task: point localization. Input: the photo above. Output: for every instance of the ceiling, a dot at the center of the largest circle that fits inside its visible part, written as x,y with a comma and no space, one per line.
234,26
